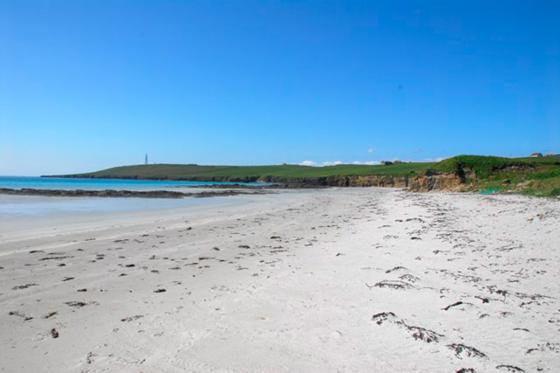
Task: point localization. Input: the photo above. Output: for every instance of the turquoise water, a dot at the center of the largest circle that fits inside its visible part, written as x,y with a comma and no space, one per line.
12,207
489,191
19,182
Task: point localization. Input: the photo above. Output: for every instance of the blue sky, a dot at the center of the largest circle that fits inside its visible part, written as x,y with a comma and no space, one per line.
86,85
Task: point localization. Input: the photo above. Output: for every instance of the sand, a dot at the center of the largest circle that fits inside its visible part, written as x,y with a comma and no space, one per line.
335,280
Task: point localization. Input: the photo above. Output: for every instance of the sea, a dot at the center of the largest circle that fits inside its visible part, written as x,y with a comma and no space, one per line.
20,182
15,206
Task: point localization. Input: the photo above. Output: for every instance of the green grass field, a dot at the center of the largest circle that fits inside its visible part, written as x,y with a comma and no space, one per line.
253,173
535,176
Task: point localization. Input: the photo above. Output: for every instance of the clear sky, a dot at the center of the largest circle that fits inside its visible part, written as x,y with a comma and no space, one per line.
86,85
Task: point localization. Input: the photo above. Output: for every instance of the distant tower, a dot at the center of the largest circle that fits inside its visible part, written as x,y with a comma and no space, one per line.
146,159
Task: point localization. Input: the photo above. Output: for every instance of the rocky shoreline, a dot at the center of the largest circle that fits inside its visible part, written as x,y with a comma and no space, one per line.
417,183
124,193
426,183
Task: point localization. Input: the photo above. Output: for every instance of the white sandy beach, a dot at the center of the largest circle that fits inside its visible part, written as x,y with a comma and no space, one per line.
334,280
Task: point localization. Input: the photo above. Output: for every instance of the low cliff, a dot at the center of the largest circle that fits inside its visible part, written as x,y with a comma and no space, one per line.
445,182
418,183
460,173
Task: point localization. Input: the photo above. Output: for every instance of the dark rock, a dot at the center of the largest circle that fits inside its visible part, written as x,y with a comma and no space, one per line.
54,333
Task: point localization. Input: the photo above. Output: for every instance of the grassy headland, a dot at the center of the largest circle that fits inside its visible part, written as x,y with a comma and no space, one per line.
276,173
535,176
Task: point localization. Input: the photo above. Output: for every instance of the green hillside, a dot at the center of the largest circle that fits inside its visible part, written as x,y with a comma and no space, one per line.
251,173
533,176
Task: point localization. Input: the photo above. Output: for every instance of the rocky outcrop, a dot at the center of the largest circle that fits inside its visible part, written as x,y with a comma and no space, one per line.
424,183
447,182
373,180
340,181
124,193
460,179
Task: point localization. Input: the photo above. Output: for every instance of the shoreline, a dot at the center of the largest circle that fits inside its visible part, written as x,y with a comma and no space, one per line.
120,214
113,193
532,175
341,279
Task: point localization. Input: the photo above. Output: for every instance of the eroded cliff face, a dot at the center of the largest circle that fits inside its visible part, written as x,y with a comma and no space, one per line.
461,180
426,183
446,182
368,181
341,181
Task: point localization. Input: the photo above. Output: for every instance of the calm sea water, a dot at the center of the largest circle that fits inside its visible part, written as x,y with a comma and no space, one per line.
18,182
14,207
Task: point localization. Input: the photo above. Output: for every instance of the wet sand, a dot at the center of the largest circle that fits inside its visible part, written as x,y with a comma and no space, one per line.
357,280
